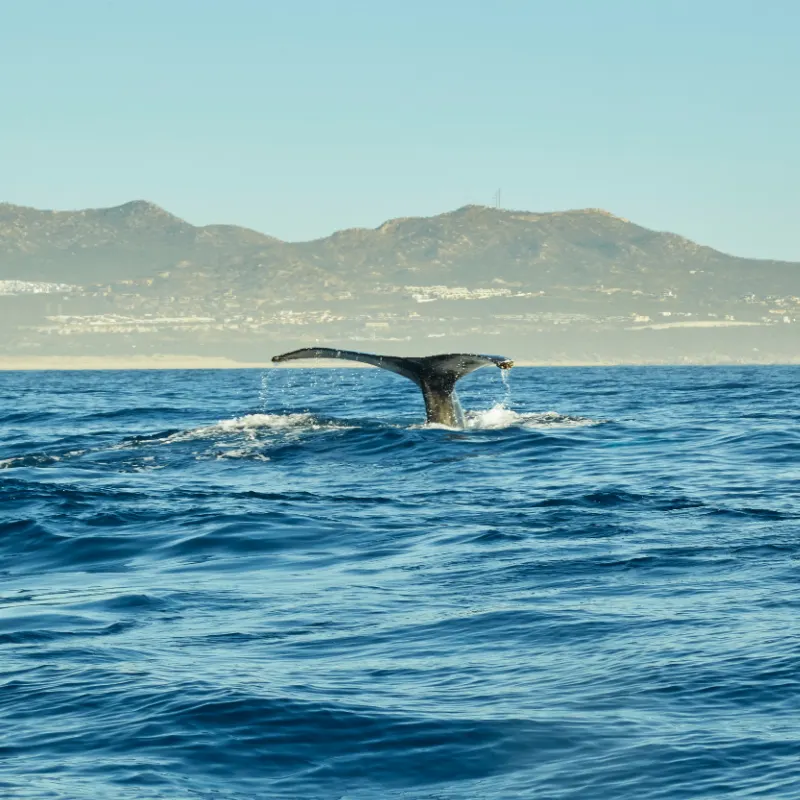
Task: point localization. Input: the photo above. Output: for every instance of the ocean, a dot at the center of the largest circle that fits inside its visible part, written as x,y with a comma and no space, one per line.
282,584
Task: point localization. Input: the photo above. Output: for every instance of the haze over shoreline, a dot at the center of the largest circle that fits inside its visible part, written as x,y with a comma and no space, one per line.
100,363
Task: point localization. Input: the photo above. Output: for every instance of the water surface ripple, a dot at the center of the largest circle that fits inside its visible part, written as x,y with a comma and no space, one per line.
223,584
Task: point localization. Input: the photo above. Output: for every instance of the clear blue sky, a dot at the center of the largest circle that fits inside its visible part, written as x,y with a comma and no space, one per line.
301,117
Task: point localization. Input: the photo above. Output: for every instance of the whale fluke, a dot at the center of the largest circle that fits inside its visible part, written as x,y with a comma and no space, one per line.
436,376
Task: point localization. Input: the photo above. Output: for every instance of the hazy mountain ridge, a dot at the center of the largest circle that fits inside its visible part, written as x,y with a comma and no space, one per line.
131,241
474,244
470,246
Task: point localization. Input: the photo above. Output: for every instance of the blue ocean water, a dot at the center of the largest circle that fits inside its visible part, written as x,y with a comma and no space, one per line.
236,584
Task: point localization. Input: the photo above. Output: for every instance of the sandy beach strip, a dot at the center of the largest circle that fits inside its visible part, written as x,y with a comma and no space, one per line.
179,362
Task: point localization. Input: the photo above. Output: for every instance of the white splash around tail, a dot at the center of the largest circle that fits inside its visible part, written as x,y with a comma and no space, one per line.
251,424
499,416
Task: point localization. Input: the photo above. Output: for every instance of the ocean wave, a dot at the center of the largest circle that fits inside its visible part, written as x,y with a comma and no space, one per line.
499,417
251,424
244,437
208,590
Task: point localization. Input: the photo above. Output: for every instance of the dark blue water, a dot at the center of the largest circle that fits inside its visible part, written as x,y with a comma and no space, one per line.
281,585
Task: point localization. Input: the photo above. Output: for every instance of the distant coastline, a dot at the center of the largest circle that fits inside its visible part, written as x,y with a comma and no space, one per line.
87,363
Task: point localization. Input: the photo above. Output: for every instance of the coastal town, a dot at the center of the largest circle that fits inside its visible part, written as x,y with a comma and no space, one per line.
404,311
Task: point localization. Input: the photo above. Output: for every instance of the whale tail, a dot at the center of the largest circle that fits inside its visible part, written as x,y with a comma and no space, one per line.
436,376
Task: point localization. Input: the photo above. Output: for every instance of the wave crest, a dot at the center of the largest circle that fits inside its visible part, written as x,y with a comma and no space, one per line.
250,424
499,416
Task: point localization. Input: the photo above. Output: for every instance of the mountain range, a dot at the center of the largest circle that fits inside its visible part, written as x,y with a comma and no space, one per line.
470,246
482,270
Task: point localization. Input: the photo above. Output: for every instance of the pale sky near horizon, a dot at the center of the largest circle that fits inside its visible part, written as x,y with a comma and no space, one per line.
300,118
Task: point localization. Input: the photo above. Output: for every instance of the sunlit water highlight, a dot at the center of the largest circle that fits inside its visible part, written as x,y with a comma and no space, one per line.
244,585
